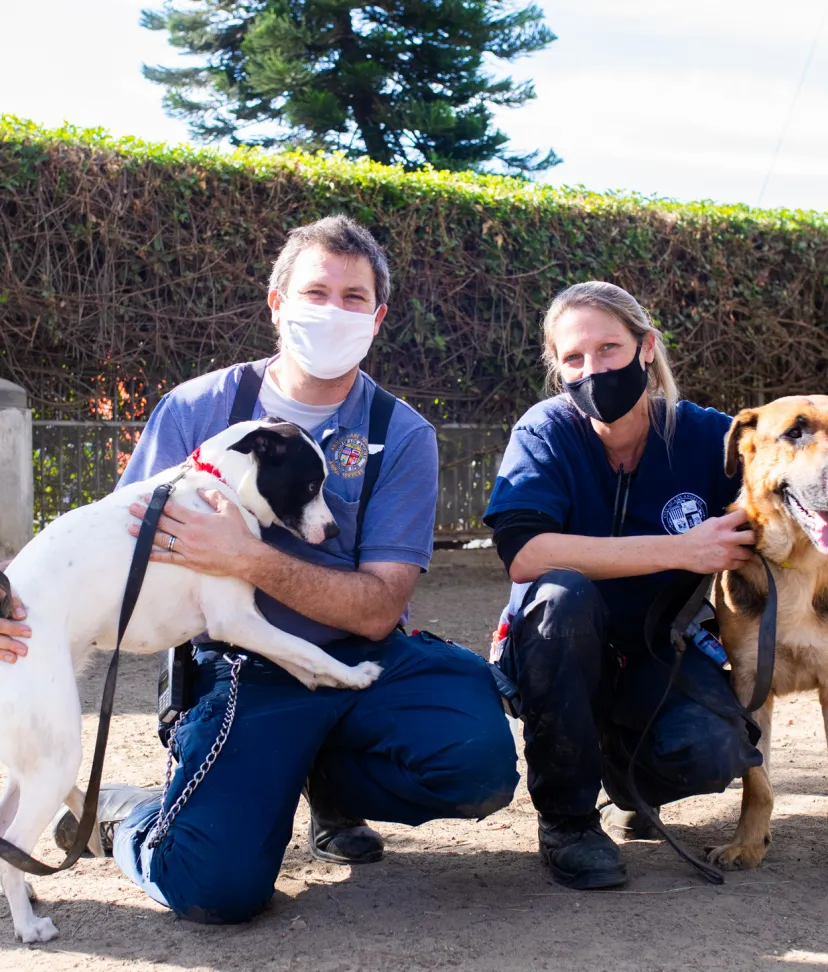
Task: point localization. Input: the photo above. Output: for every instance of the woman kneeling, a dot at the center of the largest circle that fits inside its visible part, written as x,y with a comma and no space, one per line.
608,495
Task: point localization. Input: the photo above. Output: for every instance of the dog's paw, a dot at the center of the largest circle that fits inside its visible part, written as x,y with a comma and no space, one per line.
730,857
38,930
364,674
344,676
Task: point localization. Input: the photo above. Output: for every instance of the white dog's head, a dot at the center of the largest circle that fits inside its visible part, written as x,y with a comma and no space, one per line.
277,470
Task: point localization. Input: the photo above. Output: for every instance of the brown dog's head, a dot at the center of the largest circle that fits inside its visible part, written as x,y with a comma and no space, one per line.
783,448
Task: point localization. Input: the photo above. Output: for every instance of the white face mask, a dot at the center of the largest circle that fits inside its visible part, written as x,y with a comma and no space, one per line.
327,342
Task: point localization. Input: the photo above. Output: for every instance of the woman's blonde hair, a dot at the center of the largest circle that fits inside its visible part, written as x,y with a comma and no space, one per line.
625,308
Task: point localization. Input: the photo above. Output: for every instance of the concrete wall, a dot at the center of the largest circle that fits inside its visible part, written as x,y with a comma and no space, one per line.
16,482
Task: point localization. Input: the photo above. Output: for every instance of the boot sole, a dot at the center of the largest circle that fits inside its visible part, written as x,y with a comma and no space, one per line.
328,857
619,834
64,831
332,857
586,880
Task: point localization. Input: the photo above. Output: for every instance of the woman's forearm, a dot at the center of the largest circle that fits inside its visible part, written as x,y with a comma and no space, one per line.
598,558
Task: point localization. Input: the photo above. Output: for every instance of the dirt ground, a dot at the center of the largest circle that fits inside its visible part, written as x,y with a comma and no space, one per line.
457,894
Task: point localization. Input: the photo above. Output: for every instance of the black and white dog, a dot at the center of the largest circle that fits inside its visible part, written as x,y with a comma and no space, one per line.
71,578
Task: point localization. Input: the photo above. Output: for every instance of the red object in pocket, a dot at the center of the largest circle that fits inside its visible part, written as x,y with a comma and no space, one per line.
498,637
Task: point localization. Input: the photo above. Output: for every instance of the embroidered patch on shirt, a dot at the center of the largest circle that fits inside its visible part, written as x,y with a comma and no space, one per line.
348,455
683,512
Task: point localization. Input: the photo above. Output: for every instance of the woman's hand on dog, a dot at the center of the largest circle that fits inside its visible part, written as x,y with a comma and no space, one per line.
11,629
717,544
211,543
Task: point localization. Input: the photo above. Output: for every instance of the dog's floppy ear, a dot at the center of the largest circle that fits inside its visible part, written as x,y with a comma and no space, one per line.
263,442
746,419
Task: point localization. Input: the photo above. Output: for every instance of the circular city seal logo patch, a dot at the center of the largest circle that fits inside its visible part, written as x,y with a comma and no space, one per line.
348,455
683,512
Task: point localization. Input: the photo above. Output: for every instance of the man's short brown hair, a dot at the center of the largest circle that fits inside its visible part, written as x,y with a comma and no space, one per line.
336,234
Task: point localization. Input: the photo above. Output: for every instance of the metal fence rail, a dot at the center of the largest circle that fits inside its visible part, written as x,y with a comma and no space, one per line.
78,462
470,456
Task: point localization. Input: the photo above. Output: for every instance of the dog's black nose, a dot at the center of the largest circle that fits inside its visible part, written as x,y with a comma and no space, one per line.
331,530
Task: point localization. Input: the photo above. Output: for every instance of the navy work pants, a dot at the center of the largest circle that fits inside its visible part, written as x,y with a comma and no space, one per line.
429,739
585,705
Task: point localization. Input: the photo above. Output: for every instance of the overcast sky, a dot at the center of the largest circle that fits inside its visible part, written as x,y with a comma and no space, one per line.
667,97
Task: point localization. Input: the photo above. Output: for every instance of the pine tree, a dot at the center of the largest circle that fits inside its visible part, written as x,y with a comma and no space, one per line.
405,82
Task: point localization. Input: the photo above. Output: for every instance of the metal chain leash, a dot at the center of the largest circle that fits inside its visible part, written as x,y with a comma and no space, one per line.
166,818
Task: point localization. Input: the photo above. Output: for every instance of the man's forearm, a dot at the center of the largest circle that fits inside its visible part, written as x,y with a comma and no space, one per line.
356,601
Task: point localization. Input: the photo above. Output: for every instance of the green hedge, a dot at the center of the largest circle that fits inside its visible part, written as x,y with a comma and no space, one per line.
126,267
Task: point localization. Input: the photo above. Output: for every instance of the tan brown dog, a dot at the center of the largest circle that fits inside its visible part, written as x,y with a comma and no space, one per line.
783,448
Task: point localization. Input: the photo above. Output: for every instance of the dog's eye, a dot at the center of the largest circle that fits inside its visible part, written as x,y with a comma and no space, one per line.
313,488
796,431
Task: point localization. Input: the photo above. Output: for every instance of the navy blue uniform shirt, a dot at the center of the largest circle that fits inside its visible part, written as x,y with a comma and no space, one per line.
555,464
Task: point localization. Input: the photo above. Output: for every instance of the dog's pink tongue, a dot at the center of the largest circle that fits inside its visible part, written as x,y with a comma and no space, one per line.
821,531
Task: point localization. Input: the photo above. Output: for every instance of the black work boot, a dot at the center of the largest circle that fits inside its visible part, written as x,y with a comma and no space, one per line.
579,854
116,801
332,836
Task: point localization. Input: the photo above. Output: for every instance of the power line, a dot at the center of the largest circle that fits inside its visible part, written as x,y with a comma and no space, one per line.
793,104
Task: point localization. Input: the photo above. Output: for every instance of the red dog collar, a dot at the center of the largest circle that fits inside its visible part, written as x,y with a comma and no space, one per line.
208,467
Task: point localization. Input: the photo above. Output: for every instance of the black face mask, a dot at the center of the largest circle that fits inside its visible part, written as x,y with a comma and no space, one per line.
609,395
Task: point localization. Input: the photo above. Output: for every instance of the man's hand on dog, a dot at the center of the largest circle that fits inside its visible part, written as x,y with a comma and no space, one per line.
12,629
717,544
211,543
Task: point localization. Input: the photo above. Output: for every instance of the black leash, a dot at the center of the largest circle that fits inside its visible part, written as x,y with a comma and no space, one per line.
137,569
766,656
764,678
677,629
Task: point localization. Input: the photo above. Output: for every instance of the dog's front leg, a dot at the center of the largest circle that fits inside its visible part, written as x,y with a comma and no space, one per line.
752,838
312,666
237,621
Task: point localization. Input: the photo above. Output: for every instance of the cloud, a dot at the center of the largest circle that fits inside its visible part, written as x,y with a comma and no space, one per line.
683,100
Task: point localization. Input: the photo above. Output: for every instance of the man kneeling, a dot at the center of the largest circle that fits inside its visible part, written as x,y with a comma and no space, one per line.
427,740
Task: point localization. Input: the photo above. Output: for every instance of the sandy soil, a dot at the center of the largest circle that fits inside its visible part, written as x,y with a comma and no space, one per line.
460,895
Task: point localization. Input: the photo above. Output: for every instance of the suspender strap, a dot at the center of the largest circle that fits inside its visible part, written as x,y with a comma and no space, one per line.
382,405
250,384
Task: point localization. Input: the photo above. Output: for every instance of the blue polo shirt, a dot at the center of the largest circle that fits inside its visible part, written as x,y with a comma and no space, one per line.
555,464
399,521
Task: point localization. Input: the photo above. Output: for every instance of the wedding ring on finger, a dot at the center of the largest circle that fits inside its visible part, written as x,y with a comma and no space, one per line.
171,544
